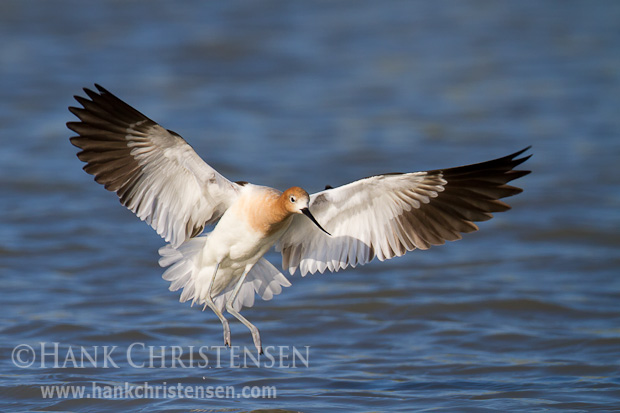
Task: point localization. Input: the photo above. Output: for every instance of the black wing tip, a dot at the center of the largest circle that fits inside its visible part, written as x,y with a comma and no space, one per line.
108,103
515,174
92,94
519,161
513,158
74,143
527,148
72,126
82,100
505,163
102,90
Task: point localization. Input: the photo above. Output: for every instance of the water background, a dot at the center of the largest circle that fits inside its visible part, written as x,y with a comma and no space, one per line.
523,315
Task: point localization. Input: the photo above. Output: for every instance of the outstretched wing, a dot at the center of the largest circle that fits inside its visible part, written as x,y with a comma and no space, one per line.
155,173
388,215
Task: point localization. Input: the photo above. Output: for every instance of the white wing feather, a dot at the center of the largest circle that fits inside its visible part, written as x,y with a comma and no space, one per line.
387,215
360,219
155,173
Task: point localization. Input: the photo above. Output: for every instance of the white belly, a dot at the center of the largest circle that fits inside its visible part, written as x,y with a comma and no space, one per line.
236,247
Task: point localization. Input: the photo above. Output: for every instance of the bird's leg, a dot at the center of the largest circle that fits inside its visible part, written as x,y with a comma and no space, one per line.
235,313
209,302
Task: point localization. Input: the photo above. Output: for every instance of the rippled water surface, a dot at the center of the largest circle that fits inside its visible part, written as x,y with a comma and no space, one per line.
523,315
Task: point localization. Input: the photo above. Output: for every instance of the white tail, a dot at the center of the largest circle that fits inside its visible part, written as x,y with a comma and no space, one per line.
187,272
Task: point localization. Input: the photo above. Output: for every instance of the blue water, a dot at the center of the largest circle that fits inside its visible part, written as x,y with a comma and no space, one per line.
523,315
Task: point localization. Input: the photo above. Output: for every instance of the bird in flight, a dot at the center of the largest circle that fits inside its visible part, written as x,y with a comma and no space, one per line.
158,176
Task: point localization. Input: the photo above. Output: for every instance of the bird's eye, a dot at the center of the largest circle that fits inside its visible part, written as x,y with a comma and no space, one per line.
292,199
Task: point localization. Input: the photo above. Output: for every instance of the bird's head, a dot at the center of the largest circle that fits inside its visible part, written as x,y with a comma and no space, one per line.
296,201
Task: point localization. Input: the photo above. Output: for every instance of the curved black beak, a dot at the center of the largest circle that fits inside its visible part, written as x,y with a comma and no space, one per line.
307,213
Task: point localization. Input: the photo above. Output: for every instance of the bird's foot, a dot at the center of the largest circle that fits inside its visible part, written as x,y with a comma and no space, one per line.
257,342
226,335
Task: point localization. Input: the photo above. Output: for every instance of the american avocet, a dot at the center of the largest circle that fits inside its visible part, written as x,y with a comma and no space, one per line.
158,176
